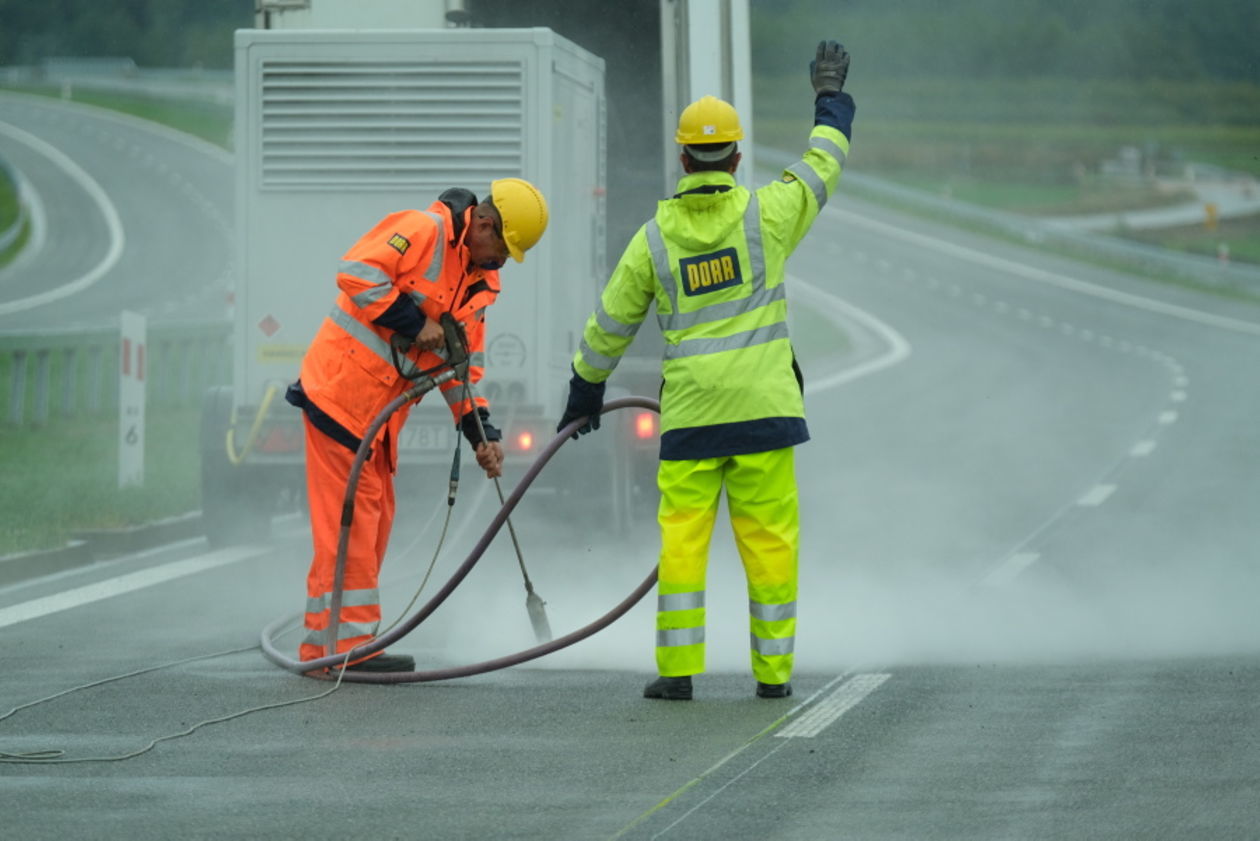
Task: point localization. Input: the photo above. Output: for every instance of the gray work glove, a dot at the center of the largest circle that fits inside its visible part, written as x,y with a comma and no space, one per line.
829,67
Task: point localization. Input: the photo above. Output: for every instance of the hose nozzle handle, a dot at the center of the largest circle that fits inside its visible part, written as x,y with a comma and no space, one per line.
456,346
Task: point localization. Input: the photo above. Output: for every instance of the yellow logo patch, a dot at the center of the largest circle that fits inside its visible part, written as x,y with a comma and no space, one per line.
710,272
399,243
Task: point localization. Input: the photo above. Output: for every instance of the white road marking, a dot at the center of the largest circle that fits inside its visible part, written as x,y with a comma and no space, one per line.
898,347
846,696
1011,567
1096,496
117,239
1178,396
35,608
1166,418
1142,448
854,219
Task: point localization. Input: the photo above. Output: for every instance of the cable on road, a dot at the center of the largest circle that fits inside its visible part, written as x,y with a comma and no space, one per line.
56,756
337,663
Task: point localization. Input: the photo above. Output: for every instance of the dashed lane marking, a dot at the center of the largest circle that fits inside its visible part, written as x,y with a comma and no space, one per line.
1142,448
846,696
1096,496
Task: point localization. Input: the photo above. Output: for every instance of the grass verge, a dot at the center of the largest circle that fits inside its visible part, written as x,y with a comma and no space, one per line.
64,477
206,120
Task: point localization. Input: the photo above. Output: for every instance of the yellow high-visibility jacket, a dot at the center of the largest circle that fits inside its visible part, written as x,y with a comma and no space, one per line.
713,259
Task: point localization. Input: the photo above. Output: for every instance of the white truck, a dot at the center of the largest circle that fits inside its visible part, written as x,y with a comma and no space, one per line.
336,126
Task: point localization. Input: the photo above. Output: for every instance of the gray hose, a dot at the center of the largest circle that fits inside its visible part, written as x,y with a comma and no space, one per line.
316,668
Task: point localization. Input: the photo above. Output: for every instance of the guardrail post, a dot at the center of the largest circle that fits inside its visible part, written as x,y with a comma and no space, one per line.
43,366
70,382
96,359
17,389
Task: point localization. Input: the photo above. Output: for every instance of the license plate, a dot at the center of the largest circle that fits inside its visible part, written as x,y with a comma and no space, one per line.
427,436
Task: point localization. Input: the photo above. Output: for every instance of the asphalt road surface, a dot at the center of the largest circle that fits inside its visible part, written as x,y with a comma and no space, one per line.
1029,581
126,215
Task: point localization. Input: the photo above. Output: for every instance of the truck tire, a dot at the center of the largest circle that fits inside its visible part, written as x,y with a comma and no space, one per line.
237,501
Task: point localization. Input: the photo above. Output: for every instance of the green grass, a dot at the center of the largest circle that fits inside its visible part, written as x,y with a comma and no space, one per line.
64,477
205,120
8,201
8,215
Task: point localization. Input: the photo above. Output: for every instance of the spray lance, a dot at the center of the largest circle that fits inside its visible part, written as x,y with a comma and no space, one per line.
457,345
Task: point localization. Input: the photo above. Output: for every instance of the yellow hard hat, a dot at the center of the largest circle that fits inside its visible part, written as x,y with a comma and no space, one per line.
523,211
708,120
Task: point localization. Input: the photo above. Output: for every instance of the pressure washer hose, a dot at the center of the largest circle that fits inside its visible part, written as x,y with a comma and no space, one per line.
319,667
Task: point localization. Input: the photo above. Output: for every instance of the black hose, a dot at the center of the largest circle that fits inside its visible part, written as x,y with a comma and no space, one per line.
317,668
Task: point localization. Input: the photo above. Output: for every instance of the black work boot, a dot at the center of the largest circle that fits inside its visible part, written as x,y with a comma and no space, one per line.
385,663
669,688
774,690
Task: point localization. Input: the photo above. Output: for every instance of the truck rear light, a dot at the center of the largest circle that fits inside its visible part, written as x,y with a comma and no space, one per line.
645,425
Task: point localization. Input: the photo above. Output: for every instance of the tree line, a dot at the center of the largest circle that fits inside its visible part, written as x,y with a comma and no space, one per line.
1124,40
1119,40
154,33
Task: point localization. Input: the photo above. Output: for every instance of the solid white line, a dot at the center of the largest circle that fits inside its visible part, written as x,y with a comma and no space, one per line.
1041,276
1096,495
846,697
117,238
35,608
898,347
1011,567
1142,448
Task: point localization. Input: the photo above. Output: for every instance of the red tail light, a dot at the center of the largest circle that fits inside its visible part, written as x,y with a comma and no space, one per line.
525,441
645,425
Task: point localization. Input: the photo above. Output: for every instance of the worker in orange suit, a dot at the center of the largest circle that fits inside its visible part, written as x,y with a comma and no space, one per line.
396,282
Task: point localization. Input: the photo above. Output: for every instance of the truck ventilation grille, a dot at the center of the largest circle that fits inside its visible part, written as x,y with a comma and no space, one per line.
355,125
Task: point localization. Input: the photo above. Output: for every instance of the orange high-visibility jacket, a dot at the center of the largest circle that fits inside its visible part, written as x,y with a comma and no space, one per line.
348,371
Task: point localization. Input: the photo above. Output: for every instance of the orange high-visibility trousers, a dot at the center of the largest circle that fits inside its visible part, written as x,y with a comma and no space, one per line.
327,472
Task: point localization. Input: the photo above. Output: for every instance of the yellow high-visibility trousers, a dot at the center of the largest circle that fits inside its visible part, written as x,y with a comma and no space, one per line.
762,498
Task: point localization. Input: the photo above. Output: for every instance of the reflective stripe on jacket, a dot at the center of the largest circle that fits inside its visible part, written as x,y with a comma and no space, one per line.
713,260
348,371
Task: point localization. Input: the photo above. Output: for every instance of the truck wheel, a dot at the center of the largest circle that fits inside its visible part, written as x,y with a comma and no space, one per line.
237,501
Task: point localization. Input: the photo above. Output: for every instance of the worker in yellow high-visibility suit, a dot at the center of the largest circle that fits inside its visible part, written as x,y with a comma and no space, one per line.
732,403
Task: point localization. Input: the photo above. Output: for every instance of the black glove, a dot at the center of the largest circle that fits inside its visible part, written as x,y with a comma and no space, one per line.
585,400
829,67
468,425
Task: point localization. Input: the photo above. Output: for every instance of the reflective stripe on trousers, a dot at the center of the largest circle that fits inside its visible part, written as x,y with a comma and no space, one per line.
761,494
327,471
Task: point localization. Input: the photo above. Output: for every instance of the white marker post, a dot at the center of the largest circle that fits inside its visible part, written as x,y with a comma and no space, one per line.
131,393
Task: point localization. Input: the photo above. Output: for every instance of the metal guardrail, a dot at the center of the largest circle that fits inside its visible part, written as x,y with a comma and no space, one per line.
1044,233
75,372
